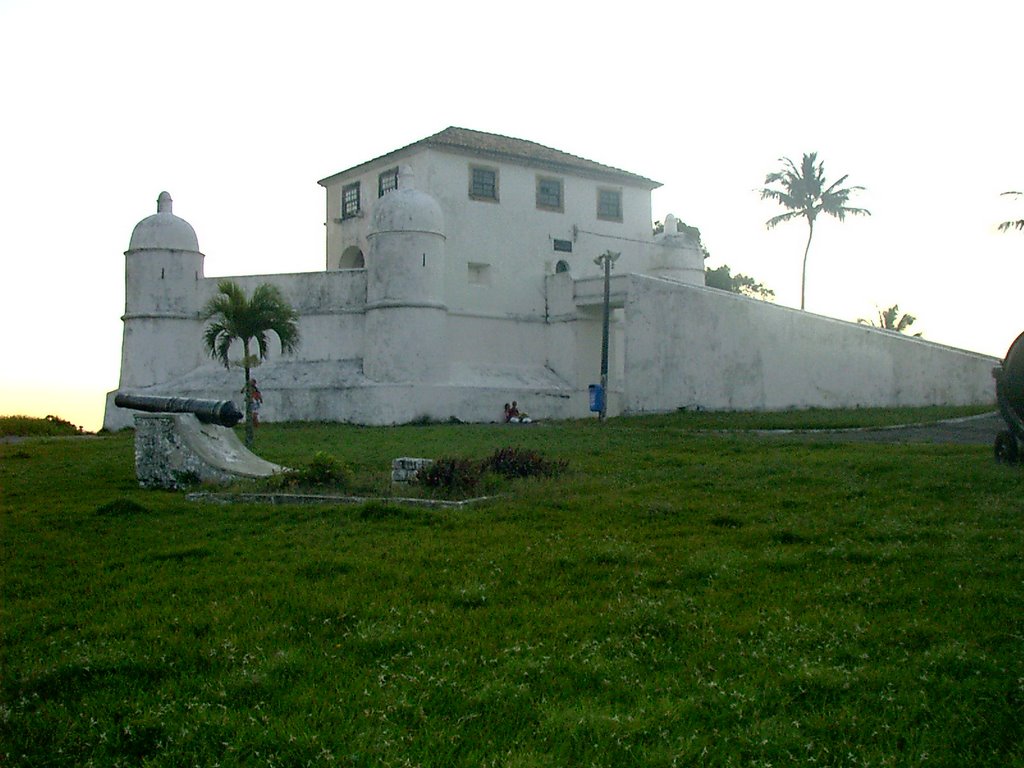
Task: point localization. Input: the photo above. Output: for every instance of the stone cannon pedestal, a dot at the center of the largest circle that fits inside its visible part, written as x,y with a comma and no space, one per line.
176,450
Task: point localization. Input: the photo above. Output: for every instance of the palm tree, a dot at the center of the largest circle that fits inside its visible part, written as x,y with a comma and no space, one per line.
1019,223
233,316
891,320
804,192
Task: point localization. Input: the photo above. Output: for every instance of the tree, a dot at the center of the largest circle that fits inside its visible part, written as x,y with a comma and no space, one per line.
235,317
1019,223
804,192
891,320
723,279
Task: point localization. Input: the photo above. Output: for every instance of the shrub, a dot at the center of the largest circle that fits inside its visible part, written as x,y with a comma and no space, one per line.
522,462
324,471
30,426
451,474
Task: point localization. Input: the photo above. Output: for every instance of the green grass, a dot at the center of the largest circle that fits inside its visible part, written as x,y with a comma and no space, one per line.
675,598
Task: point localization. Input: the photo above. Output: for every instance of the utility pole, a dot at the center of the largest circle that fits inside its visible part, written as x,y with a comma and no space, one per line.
607,259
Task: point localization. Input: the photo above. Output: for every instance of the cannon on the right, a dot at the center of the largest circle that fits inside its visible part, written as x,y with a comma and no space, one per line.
1010,397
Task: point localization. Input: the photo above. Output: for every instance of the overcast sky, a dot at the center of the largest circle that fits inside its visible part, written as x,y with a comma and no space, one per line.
238,108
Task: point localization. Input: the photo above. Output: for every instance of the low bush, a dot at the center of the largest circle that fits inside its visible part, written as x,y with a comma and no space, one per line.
323,471
513,462
451,474
461,475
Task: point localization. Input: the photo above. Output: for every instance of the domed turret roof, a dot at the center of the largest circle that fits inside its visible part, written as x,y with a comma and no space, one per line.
164,230
407,209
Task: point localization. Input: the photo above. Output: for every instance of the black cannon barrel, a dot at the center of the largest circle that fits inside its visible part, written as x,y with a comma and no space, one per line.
222,412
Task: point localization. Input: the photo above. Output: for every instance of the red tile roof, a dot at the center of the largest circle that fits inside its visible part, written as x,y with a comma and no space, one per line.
505,148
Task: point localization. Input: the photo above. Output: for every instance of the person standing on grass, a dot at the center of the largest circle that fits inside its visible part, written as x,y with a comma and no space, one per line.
257,400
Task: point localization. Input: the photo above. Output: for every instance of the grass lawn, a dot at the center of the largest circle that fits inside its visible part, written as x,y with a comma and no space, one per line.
678,596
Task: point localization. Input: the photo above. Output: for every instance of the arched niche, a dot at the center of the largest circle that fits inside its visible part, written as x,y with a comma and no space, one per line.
352,258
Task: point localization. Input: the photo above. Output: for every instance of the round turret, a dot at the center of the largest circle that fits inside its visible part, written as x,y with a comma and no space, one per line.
406,313
164,293
407,209
406,260
164,230
676,255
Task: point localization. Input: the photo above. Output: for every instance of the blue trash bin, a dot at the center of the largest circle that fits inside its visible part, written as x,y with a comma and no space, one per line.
596,398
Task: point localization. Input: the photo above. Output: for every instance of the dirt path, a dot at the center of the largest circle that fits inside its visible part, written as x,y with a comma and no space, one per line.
972,430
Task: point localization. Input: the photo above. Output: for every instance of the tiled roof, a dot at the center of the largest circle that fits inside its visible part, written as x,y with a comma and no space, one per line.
521,151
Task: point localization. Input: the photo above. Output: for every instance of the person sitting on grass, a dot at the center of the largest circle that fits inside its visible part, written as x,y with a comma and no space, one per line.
515,417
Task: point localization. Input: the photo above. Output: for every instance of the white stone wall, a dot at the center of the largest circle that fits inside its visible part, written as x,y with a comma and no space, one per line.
690,346
331,307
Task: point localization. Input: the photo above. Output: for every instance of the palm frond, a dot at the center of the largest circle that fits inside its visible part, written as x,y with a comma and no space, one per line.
840,213
234,316
779,196
776,220
838,185
1008,225
905,322
223,348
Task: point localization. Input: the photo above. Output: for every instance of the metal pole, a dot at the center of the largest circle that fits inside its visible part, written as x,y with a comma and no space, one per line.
607,258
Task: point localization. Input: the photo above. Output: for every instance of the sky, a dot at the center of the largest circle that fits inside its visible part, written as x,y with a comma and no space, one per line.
238,108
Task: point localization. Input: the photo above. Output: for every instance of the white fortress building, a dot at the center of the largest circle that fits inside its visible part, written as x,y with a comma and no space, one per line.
461,275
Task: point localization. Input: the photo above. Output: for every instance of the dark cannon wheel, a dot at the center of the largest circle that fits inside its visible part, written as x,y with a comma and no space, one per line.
1010,398
1006,448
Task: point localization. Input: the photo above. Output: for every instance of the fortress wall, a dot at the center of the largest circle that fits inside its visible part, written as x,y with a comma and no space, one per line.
512,342
308,291
689,346
151,341
330,305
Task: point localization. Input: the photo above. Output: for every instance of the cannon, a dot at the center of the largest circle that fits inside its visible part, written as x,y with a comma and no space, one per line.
224,413
1010,398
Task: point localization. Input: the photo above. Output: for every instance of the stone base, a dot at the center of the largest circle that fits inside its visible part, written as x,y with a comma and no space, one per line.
175,450
405,469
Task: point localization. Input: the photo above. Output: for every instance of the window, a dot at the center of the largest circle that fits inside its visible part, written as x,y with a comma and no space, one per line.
479,274
483,183
350,200
549,194
387,182
609,204
563,245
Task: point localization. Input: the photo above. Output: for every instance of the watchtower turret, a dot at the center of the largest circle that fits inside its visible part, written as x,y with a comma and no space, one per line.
676,255
406,314
163,271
